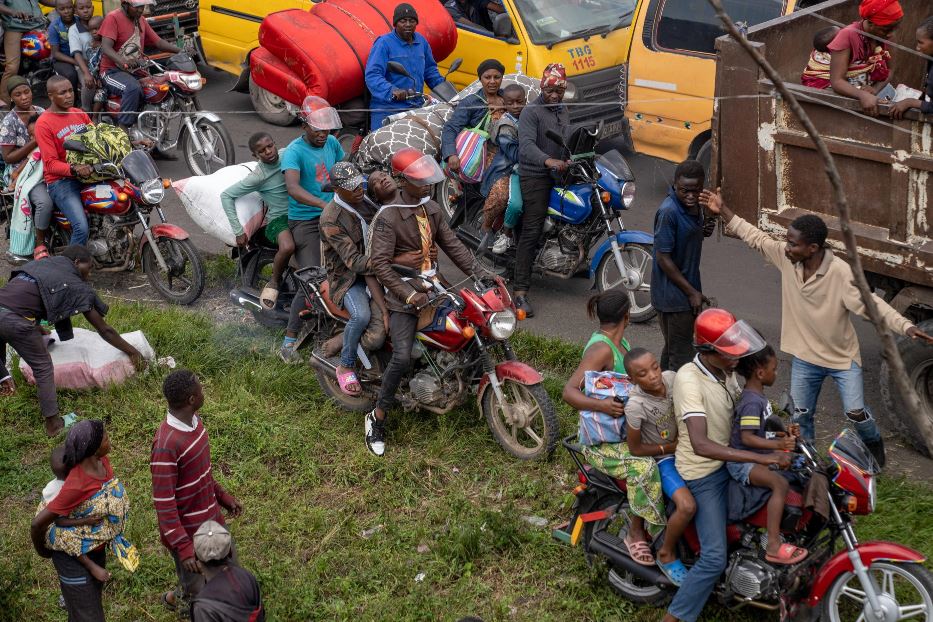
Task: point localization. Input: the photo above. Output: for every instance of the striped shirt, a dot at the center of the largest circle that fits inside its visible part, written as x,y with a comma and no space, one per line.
184,492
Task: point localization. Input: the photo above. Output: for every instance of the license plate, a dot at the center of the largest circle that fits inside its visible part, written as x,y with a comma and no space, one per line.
613,128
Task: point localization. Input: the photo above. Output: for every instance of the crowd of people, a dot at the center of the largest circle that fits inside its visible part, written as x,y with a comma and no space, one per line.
687,428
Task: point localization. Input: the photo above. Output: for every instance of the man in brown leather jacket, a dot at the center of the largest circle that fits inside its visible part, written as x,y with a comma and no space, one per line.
407,233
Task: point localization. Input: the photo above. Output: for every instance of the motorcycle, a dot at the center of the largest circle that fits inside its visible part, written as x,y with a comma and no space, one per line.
464,350
254,268
115,208
862,580
36,60
591,194
172,115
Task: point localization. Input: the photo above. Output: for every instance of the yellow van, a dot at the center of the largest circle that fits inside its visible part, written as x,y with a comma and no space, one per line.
589,37
173,20
671,72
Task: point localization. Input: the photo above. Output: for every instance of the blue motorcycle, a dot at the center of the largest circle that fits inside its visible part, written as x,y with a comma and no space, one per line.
584,213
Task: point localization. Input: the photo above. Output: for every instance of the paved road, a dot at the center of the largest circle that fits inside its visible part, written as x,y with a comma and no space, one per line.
738,278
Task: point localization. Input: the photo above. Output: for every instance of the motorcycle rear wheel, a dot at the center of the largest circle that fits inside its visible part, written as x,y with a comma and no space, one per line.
216,135
257,273
638,258
543,429
845,599
185,269
328,380
623,583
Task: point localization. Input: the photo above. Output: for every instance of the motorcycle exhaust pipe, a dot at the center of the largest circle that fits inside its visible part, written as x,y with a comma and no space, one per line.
618,558
246,300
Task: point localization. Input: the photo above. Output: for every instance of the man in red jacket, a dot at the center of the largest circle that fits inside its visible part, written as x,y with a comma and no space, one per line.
184,492
56,124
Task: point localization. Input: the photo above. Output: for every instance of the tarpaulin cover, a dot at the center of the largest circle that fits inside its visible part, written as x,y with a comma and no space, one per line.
323,51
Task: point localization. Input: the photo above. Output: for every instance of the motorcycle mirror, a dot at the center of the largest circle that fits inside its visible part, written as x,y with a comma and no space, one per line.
774,423
405,270
76,146
454,66
786,403
397,67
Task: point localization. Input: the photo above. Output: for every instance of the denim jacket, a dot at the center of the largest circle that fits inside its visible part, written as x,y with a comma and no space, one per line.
505,135
64,293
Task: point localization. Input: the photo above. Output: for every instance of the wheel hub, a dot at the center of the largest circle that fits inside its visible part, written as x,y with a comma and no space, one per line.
518,414
889,609
631,278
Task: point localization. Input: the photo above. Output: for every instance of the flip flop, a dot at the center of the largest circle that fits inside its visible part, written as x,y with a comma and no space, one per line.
345,380
169,606
640,552
40,252
268,297
788,554
675,571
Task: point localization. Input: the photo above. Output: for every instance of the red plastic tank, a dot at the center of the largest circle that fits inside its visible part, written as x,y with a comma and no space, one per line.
323,51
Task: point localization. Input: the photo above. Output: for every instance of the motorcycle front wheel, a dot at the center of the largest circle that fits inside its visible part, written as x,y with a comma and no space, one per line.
184,281
636,278
906,592
533,429
217,149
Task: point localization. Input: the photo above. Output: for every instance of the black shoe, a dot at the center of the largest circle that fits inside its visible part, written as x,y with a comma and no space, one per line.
877,450
375,434
521,302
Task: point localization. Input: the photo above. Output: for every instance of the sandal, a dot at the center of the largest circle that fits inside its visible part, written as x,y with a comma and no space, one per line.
675,571
788,554
345,380
169,606
268,297
640,552
40,252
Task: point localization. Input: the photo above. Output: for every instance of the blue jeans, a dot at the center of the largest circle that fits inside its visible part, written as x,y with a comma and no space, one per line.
712,502
806,379
356,302
66,194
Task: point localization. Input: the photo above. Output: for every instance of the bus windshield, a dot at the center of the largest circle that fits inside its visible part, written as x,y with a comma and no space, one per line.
552,21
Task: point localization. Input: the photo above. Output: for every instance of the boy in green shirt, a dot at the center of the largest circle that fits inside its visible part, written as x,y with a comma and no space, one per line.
266,179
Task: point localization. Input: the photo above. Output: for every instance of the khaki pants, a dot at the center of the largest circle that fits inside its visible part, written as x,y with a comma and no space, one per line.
12,40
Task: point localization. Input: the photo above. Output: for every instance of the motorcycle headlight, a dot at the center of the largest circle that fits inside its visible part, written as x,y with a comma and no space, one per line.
628,194
192,81
152,191
502,324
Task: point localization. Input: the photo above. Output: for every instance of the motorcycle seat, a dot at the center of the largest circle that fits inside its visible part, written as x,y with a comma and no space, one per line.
333,309
604,480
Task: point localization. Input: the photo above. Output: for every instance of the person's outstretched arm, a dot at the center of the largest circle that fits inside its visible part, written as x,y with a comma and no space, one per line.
757,239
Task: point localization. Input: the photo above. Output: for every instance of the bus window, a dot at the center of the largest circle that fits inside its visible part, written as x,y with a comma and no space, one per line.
692,25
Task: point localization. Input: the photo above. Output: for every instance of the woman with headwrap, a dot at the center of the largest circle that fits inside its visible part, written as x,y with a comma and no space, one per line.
476,110
860,65
87,515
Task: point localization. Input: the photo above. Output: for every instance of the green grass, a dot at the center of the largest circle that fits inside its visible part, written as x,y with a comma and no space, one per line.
445,502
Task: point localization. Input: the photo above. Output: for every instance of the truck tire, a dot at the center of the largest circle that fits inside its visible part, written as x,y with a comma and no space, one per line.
705,157
918,360
270,107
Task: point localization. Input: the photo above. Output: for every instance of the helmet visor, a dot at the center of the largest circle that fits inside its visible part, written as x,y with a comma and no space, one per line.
739,340
423,172
320,117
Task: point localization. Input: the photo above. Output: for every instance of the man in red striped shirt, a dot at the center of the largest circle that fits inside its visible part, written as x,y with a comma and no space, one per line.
184,492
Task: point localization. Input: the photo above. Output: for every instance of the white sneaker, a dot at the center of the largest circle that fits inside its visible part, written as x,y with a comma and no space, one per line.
375,434
502,244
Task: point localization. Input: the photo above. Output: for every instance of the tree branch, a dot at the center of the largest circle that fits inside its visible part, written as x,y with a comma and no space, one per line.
915,413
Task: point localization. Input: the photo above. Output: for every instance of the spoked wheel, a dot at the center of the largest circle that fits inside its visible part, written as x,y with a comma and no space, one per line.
216,148
905,592
636,278
365,401
526,426
620,580
184,281
449,192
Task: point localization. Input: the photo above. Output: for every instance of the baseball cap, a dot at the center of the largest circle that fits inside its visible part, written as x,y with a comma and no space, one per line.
212,542
346,175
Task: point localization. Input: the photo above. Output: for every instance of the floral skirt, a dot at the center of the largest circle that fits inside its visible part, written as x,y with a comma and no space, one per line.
641,476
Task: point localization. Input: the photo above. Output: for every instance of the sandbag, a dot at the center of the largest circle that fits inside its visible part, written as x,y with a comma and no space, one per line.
89,362
325,50
201,197
420,128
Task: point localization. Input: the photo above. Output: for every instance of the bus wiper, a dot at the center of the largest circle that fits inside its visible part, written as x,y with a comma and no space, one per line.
584,33
625,16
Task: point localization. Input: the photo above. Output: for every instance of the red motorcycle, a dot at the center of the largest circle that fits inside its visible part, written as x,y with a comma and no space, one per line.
841,580
463,349
115,208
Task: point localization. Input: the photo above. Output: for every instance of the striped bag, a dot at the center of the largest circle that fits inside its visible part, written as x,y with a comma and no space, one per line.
471,151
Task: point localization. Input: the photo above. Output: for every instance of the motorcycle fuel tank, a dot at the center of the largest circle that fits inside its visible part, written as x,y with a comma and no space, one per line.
105,198
444,331
571,204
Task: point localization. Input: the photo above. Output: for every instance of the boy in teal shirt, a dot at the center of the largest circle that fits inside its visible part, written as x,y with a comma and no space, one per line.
306,164
266,179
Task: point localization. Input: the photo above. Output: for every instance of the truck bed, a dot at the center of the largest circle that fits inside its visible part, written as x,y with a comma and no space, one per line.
770,171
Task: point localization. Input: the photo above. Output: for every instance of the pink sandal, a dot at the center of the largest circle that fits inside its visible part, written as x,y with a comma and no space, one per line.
345,380
40,252
640,552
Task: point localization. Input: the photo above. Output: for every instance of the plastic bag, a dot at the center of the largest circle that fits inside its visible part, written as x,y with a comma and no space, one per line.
201,197
88,362
596,427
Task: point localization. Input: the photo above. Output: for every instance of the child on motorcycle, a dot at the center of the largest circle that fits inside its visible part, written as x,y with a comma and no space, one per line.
604,439
748,434
500,189
651,430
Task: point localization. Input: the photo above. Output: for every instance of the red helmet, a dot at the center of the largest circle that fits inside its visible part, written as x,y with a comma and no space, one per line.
718,330
317,113
416,167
